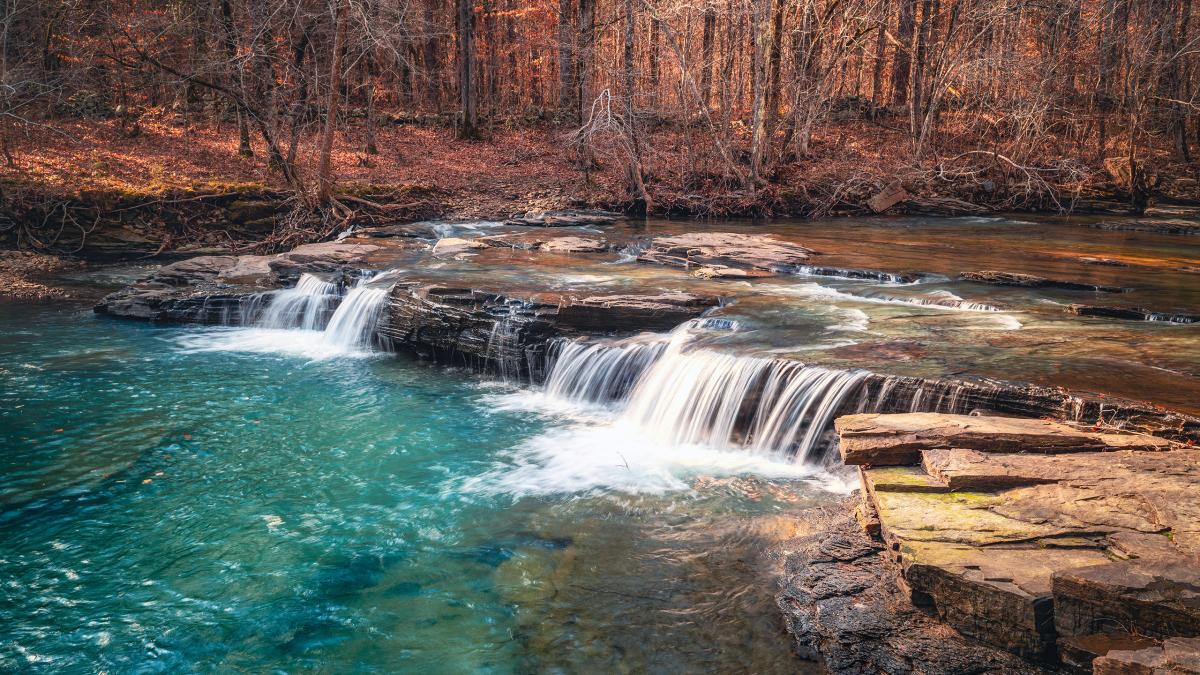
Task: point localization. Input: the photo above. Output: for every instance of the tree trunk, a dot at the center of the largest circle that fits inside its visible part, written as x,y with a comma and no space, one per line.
583,57
637,183
566,59
706,54
469,122
324,169
880,45
902,55
235,82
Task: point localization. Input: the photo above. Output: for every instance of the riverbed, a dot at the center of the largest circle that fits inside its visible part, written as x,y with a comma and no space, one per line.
285,495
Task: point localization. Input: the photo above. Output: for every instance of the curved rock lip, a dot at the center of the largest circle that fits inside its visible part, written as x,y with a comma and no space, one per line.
1133,314
996,278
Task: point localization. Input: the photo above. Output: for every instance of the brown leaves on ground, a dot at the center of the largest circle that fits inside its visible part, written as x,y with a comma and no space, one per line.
22,273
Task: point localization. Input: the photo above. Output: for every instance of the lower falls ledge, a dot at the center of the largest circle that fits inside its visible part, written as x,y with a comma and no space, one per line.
1072,550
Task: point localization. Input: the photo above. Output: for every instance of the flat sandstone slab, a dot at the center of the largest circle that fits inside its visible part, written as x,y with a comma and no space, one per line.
1176,656
720,251
883,440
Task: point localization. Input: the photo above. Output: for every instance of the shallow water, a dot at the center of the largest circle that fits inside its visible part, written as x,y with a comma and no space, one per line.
282,497
899,328
179,499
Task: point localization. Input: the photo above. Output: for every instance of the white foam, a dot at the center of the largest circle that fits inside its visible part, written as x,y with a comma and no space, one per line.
583,458
309,344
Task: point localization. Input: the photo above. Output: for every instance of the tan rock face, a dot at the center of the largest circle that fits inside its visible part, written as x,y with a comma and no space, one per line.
1157,598
1176,656
724,250
1010,528
457,246
881,440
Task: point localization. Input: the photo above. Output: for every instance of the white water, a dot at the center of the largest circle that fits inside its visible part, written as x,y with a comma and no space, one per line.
303,306
294,329
353,324
600,372
936,299
702,397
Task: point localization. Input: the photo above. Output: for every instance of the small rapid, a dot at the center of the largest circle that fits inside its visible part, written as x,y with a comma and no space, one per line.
305,306
311,320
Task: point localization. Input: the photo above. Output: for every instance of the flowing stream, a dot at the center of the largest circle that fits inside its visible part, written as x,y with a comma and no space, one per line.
281,495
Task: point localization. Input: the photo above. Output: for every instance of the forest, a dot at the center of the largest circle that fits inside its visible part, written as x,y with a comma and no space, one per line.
709,107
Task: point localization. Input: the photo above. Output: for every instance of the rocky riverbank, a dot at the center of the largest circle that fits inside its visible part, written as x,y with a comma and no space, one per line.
1069,548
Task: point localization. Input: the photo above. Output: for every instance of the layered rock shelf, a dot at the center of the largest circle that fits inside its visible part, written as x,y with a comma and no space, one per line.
512,333
1065,546
995,278
1133,314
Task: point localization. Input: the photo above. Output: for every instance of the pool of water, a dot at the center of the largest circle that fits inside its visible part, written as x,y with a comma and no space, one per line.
185,499
181,499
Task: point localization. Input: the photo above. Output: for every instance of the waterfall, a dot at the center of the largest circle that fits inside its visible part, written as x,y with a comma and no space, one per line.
600,372
353,324
701,397
305,306
764,405
503,345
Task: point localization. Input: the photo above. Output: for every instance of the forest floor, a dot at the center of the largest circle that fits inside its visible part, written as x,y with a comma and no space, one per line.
514,170
170,185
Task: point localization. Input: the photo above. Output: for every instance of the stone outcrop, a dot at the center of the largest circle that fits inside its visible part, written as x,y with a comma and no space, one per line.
565,218
1133,314
1154,597
880,440
537,241
511,333
1035,537
719,251
453,246
218,289
995,278
1176,656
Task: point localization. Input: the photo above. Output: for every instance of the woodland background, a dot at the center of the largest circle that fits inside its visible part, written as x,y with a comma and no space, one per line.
684,106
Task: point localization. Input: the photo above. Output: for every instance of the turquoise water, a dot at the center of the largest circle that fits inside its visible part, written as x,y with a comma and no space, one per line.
185,499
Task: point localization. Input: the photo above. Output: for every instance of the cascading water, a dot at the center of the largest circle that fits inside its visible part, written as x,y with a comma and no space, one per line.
304,306
600,372
353,324
683,397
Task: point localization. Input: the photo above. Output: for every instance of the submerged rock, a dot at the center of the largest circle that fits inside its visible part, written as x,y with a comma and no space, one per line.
718,250
1032,281
1156,225
565,218
1133,314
